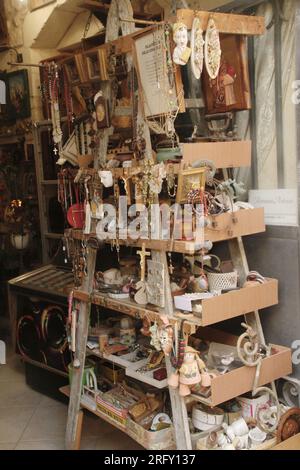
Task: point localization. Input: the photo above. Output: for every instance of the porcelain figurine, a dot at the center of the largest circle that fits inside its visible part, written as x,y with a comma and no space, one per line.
181,52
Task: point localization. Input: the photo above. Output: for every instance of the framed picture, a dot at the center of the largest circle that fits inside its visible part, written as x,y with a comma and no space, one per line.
18,95
103,63
81,68
230,91
72,72
102,111
154,80
93,65
193,178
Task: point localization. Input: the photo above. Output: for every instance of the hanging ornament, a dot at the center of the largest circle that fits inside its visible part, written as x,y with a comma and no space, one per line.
212,50
197,46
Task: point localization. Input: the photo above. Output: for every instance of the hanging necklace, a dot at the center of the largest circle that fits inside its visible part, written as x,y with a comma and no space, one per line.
55,114
171,185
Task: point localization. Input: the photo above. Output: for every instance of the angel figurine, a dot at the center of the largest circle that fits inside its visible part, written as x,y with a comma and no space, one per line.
181,52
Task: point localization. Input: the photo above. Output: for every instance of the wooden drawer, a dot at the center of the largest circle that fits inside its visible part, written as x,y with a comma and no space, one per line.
241,380
240,302
224,154
248,222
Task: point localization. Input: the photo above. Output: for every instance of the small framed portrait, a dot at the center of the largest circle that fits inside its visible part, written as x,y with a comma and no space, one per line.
230,91
93,65
102,111
193,178
72,72
18,95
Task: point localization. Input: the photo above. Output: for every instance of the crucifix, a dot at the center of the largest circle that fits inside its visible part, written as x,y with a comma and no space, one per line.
142,254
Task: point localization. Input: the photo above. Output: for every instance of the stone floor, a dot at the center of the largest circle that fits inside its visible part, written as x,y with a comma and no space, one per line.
32,421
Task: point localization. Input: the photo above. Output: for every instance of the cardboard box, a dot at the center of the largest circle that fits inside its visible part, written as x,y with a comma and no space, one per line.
224,154
240,381
248,222
116,415
239,302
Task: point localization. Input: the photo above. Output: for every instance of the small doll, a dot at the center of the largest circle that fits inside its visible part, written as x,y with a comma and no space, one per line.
162,337
166,336
191,372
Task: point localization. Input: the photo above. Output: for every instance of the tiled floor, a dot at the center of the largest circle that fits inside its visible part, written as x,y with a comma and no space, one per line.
29,420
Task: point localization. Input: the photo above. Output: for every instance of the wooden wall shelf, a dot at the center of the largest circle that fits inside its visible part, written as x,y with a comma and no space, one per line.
229,24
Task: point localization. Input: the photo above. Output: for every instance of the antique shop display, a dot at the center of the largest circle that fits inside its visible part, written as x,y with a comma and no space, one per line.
154,206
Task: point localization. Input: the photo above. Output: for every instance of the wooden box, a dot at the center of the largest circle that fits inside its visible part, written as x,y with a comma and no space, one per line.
233,154
112,372
239,302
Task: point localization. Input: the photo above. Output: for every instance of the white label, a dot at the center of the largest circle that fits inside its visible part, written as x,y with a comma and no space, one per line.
280,205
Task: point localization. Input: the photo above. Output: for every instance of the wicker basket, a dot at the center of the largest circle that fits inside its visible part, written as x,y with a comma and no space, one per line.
222,281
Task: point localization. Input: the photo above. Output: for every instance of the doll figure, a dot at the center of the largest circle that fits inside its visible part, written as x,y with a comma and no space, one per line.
190,372
166,335
181,52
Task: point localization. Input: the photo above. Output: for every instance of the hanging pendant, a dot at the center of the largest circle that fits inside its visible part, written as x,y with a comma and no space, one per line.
197,46
212,50
88,219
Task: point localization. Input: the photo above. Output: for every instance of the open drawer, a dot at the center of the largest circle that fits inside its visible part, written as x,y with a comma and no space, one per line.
238,224
241,380
239,302
233,154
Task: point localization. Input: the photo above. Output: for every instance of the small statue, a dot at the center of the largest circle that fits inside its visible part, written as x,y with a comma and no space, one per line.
181,52
190,373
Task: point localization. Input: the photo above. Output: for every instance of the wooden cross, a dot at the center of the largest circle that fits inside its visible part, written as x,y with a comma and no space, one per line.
142,254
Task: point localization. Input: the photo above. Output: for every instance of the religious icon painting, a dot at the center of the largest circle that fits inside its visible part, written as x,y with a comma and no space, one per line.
230,90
